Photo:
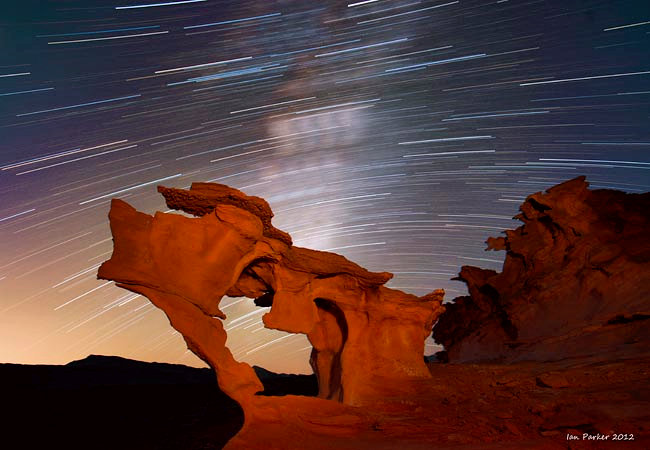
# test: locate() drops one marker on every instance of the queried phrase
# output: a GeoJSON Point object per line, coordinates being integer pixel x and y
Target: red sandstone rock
{"type": "Point", "coordinates": [361, 331]}
{"type": "Point", "coordinates": [553, 298]}
{"type": "Point", "coordinates": [575, 282]}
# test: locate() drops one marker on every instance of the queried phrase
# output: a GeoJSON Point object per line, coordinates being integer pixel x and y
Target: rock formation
{"type": "Point", "coordinates": [574, 289]}
{"type": "Point", "coordinates": [364, 336]}
{"type": "Point", "coordinates": [575, 282]}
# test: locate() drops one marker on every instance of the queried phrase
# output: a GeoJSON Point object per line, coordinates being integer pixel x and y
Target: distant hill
{"type": "Point", "coordinates": [103, 402]}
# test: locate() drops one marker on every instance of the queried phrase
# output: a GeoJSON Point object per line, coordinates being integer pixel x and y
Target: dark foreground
{"type": "Point", "coordinates": [106, 402]}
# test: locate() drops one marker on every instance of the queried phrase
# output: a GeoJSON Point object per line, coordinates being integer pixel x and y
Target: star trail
{"type": "Point", "coordinates": [399, 133]}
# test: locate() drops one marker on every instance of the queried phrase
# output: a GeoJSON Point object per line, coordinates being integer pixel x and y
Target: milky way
{"type": "Point", "coordinates": [400, 134]}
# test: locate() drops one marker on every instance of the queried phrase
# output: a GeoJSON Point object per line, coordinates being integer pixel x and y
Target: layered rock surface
{"type": "Point", "coordinates": [575, 282]}
{"type": "Point", "coordinates": [553, 301]}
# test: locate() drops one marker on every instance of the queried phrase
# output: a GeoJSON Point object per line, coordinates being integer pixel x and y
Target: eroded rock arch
{"type": "Point", "coordinates": [364, 335]}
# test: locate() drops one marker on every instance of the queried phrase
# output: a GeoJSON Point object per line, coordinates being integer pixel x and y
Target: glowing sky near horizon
{"type": "Point", "coordinates": [400, 134]}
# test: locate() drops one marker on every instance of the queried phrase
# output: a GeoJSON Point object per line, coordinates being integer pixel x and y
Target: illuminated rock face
{"type": "Point", "coordinates": [563, 326]}
{"type": "Point", "coordinates": [363, 334]}
{"type": "Point", "coordinates": [575, 282]}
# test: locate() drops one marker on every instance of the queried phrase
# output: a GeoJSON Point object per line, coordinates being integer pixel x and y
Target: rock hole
{"type": "Point", "coordinates": [251, 342]}
{"type": "Point", "coordinates": [432, 350]}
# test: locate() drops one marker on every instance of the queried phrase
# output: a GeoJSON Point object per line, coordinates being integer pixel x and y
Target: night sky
{"type": "Point", "coordinates": [400, 134]}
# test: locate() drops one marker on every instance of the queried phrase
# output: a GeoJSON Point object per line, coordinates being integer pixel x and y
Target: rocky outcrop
{"type": "Point", "coordinates": [575, 282]}
{"type": "Point", "coordinates": [365, 336]}
{"type": "Point", "coordinates": [571, 301]}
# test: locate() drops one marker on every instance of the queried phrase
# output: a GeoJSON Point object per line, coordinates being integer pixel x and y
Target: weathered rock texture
{"type": "Point", "coordinates": [575, 282]}
{"type": "Point", "coordinates": [366, 338]}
